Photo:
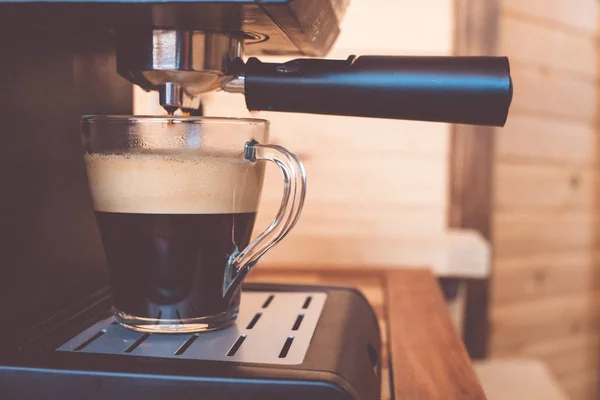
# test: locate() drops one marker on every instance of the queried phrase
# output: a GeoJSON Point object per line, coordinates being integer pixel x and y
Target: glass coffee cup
{"type": "Point", "coordinates": [175, 201]}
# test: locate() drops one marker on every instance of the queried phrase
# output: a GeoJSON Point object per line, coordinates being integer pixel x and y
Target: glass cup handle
{"type": "Point", "coordinates": [294, 191]}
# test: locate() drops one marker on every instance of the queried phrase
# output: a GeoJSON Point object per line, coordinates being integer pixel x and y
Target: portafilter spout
{"type": "Point", "coordinates": [179, 64]}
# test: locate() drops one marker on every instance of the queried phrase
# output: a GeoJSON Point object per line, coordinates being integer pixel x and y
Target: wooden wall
{"type": "Point", "coordinates": [377, 189]}
{"type": "Point", "coordinates": [546, 279]}
{"type": "Point", "coordinates": [372, 183]}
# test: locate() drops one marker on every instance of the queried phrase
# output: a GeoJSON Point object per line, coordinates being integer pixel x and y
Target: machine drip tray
{"type": "Point", "coordinates": [272, 328]}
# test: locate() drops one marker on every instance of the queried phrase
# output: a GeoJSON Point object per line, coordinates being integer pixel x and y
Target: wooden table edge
{"type": "Point", "coordinates": [428, 360]}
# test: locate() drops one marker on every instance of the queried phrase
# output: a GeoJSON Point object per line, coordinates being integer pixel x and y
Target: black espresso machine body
{"type": "Point", "coordinates": [58, 63]}
{"type": "Point", "coordinates": [290, 342]}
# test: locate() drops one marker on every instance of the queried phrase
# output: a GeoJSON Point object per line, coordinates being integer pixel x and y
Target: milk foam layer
{"type": "Point", "coordinates": [173, 184]}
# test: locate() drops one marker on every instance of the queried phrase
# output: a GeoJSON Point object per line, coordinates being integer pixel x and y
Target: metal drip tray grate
{"type": "Point", "coordinates": [272, 328]}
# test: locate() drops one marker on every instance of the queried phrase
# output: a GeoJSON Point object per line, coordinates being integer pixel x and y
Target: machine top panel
{"type": "Point", "coordinates": [272, 328]}
{"type": "Point", "coordinates": [284, 27]}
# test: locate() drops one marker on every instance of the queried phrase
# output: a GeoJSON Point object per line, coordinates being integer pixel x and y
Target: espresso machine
{"type": "Point", "coordinates": [63, 59]}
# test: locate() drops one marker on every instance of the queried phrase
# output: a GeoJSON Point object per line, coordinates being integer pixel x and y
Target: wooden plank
{"type": "Point", "coordinates": [285, 275]}
{"type": "Point", "coordinates": [319, 275]}
{"type": "Point", "coordinates": [429, 360]}
{"type": "Point", "coordinates": [315, 274]}
{"type": "Point", "coordinates": [471, 165]}
{"type": "Point", "coordinates": [543, 275]}
{"type": "Point", "coordinates": [581, 386]}
{"type": "Point", "coordinates": [518, 324]}
{"type": "Point", "coordinates": [545, 91]}
{"type": "Point", "coordinates": [526, 42]}
{"type": "Point", "coordinates": [521, 186]}
{"type": "Point", "coordinates": [477, 24]}
{"type": "Point", "coordinates": [523, 233]}
{"type": "Point", "coordinates": [471, 174]}
{"type": "Point", "coordinates": [545, 296]}
{"type": "Point", "coordinates": [581, 16]}
{"type": "Point", "coordinates": [470, 198]}
{"type": "Point", "coordinates": [536, 138]}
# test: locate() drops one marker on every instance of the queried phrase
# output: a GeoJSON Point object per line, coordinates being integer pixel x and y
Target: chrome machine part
{"type": "Point", "coordinates": [180, 64]}
{"type": "Point", "coordinates": [173, 97]}
{"type": "Point", "coordinates": [170, 96]}
{"type": "Point", "coordinates": [235, 85]}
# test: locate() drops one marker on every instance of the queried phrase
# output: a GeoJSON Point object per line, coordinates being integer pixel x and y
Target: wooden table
{"type": "Point", "coordinates": [420, 345]}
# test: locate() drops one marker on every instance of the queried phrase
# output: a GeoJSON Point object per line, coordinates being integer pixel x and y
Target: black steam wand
{"type": "Point", "coordinates": [466, 90]}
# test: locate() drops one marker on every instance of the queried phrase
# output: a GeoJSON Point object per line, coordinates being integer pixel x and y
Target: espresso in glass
{"type": "Point", "coordinates": [175, 202]}
{"type": "Point", "coordinates": [169, 224]}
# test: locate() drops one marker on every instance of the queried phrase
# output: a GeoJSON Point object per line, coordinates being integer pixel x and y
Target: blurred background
{"type": "Point", "coordinates": [507, 218]}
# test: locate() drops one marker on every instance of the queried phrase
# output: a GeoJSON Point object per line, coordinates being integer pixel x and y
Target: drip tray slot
{"type": "Point", "coordinates": [272, 328]}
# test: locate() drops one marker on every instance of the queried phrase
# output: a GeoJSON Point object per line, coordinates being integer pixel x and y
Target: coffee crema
{"type": "Point", "coordinates": [169, 225]}
{"type": "Point", "coordinates": [173, 184]}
